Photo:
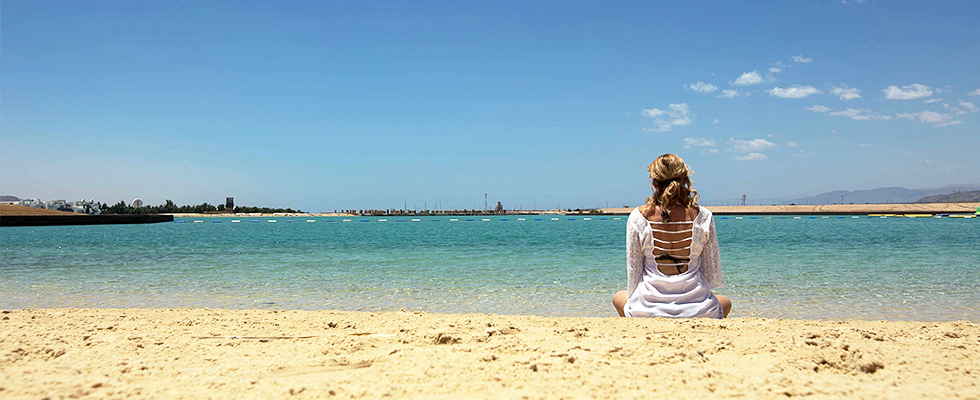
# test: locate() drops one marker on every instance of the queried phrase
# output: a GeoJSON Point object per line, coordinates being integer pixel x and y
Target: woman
{"type": "Point", "coordinates": [672, 259]}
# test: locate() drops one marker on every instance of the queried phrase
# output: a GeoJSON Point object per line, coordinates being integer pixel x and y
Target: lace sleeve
{"type": "Point", "coordinates": [634, 256]}
{"type": "Point", "coordinates": [711, 259]}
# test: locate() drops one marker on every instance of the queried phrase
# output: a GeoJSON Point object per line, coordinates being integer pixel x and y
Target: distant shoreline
{"type": "Point", "coordinates": [828, 209]}
{"type": "Point", "coordinates": [835, 209]}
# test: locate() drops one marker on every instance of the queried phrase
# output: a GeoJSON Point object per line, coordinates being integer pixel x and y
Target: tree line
{"type": "Point", "coordinates": [170, 208]}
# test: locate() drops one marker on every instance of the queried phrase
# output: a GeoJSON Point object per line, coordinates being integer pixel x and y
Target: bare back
{"type": "Point", "coordinates": [672, 238]}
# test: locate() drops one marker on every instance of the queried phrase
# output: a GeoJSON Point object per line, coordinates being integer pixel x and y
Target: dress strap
{"type": "Point", "coordinates": [677, 249]}
{"type": "Point", "coordinates": [670, 222]}
{"type": "Point", "coordinates": [680, 231]}
{"type": "Point", "coordinates": [672, 241]}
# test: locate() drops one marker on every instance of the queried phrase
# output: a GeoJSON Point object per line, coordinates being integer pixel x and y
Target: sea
{"type": "Point", "coordinates": [797, 267]}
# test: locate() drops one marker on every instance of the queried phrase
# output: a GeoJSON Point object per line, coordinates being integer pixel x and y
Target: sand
{"type": "Point", "coordinates": [203, 353]}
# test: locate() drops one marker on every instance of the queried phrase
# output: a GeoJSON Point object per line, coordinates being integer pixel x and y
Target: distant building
{"type": "Point", "coordinates": [55, 204]}
{"type": "Point", "coordinates": [229, 204]}
{"type": "Point", "coordinates": [499, 209]}
{"type": "Point", "coordinates": [85, 207]}
{"type": "Point", "coordinates": [82, 206]}
{"type": "Point", "coordinates": [137, 203]}
{"type": "Point", "coordinates": [36, 203]}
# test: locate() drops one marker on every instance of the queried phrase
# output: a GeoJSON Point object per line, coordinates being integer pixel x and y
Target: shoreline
{"type": "Point", "coordinates": [898, 209]}
{"type": "Point", "coordinates": [171, 353]}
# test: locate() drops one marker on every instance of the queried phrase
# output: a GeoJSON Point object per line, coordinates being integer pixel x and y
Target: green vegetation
{"type": "Point", "coordinates": [170, 208]}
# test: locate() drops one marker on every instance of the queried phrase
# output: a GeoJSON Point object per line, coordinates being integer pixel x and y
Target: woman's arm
{"type": "Point", "coordinates": [634, 255]}
{"type": "Point", "coordinates": [711, 259]}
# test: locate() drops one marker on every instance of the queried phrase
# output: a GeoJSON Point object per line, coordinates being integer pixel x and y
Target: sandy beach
{"type": "Point", "coordinates": [198, 353]}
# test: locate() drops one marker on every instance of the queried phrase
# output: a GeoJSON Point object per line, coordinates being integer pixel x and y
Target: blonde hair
{"type": "Point", "coordinates": [671, 184]}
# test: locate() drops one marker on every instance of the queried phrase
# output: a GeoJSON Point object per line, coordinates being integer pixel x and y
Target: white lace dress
{"type": "Point", "coordinates": [686, 295]}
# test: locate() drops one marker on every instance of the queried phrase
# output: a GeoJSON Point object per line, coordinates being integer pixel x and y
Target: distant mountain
{"type": "Point", "coordinates": [9, 198]}
{"type": "Point", "coordinates": [882, 195]}
{"type": "Point", "coordinates": [955, 197]}
{"type": "Point", "coordinates": [873, 196]}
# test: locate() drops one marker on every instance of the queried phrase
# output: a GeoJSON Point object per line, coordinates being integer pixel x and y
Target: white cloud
{"type": "Point", "coordinates": [775, 70]}
{"type": "Point", "coordinates": [863, 114]}
{"type": "Point", "coordinates": [865, 145]}
{"type": "Point", "coordinates": [818, 108]}
{"type": "Point", "coordinates": [712, 151]}
{"type": "Point", "coordinates": [793, 92]}
{"type": "Point", "coordinates": [728, 93]}
{"type": "Point", "coordinates": [748, 78]}
{"type": "Point", "coordinates": [716, 121]}
{"type": "Point", "coordinates": [933, 100]}
{"type": "Point", "coordinates": [749, 146]}
{"type": "Point", "coordinates": [974, 93]}
{"type": "Point", "coordinates": [911, 152]}
{"type": "Point", "coordinates": [791, 144]}
{"type": "Point", "coordinates": [801, 59]}
{"type": "Point", "coordinates": [652, 112]}
{"type": "Point", "coordinates": [969, 106]}
{"type": "Point", "coordinates": [931, 117]}
{"type": "Point", "coordinates": [699, 142]}
{"type": "Point", "coordinates": [846, 93]}
{"type": "Point", "coordinates": [702, 87]}
{"type": "Point", "coordinates": [666, 120]}
{"type": "Point", "coordinates": [913, 91]}
{"type": "Point", "coordinates": [752, 157]}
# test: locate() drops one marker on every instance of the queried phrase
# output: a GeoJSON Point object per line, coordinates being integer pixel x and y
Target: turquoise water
{"type": "Point", "coordinates": [783, 267]}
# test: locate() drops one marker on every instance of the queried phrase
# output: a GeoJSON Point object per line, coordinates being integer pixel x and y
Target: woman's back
{"type": "Point", "coordinates": [672, 265]}
{"type": "Point", "coordinates": [671, 237]}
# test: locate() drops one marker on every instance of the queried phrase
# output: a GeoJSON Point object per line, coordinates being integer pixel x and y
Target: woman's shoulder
{"type": "Point", "coordinates": [637, 217]}
{"type": "Point", "coordinates": [703, 212]}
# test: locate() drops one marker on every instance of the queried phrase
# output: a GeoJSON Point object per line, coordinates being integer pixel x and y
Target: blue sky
{"type": "Point", "coordinates": [334, 105]}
